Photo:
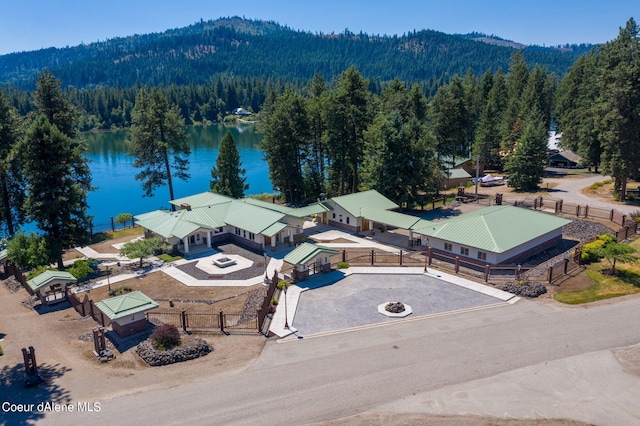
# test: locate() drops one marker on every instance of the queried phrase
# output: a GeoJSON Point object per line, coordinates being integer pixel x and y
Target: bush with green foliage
{"type": "Point", "coordinates": [343, 265]}
{"type": "Point", "coordinates": [165, 337]}
{"type": "Point", "coordinates": [82, 268]}
{"type": "Point", "coordinates": [591, 252]}
{"type": "Point", "coordinates": [28, 251]}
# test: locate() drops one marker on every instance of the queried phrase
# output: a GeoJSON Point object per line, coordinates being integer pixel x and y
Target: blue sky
{"type": "Point", "coordinates": [34, 24]}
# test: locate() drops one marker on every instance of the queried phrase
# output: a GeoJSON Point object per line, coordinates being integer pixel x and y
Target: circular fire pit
{"type": "Point", "coordinates": [223, 262]}
{"type": "Point", "coordinates": [395, 309]}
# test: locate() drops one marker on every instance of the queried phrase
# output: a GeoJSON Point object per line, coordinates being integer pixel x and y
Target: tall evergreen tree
{"type": "Point", "coordinates": [11, 178]}
{"type": "Point", "coordinates": [516, 80]}
{"type": "Point", "coordinates": [158, 142]}
{"type": "Point", "coordinates": [450, 120]}
{"type": "Point", "coordinates": [525, 163]}
{"type": "Point", "coordinates": [487, 135]}
{"type": "Point", "coordinates": [227, 176]}
{"type": "Point", "coordinates": [348, 115]}
{"type": "Point", "coordinates": [57, 183]}
{"type": "Point", "coordinates": [55, 170]}
{"type": "Point", "coordinates": [575, 112]}
{"type": "Point", "coordinates": [286, 132]}
{"type": "Point", "coordinates": [618, 106]}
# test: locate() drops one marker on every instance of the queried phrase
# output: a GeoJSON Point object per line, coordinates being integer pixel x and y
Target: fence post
{"type": "Point", "coordinates": [541, 202]}
{"type": "Point", "coordinates": [535, 203]}
{"type": "Point", "coordinates": [400, 257]}
{"type": "Point", "coordinates": [550, 274]}
{"type": "Point", "coordinates": [486, 273]}
{"type": "Point", "coordinates": [372, 257]}
{"type": "Point", "coordinates": [566, 266]}
{"type": "Point", "coordinates": [556, 209]}
{"type": "Point", "coordinates": [113, 225]}
{"type": "Point", "coordinates": [578, 210]}
{"type": "Point", "coordinates": [344, 255]}
{"type": "Point", "coordinates": [429, 251]}
{"type": "Point", "coordinates": [624, 219]}
{"type": "Point", "coordinates": [586, 210]}
{"type": "Point", "coordinates": [222, 322]}
{"type": "Point", "coordinates": [561, 201]}
{"type": "Point", "coordinates": [183, 320]}
{"type": "Point", "coordinates": [611, 215]}
{"type": "Point", "coordinates": [457, 264]}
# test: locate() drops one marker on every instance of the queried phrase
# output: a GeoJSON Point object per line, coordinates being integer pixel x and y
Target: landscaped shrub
{"type": "Point", "coordinates": [526, 289]}
{"type": "Point", "coordinates": [119, 290]}
{"type": "Point", "coordinates": [81, 268]}
{"type": "Point", "coordinates": [165, 337]}
{"type": "Point", "coordinates": [342, 265]}
{"type": "Point", "coordinates": [590, 251]}
{"type": "Point", "coordinates": [1, 352]}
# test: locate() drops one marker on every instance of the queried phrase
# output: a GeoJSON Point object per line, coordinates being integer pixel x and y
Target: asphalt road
{"type": "Point", "coordinates": [405, 365]}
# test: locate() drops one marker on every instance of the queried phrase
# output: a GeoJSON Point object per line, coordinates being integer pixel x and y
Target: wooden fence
{"type": "Point", "coordinates": [86, 307]}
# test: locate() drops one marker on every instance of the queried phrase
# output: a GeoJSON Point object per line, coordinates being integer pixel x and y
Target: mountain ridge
{"type": "Point", "coordinates": [266, 49]}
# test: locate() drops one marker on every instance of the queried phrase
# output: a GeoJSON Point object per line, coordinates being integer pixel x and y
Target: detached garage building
{"type": "Point", "coordinates": [494, 235]}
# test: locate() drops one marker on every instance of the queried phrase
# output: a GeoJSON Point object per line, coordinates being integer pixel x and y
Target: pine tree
{"type": "Point", "coordinates": [158, 142]}
{"type": "Point", "coordinates": [618, 106]}
{"type": "Point", "coordinates": [227, 176]}
{"type": "Point", "coordinates": [285, 143]}
{"type": "Point", "coordinates": [11, 177]}
{"type": "Point", "coordinates": [55, 170]}
{"type": "Point", "coordinates": [525, 164]}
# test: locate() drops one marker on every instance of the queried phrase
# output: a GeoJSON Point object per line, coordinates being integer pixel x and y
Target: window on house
{"type": "Point", "coordinates": [252, 236]}
{"type": "Point", "coordinates": [464, 251]}
{"type": "Point", "coordinates": [333, 215]}
{"type": "Point", "coordinates": [448, 246]}
{"type": "Point", "coordinates": [347, 220]}
{"type": "Point", "coordinates": [237, 231]}
{"type": "Point", "coordinates": [482, 255]}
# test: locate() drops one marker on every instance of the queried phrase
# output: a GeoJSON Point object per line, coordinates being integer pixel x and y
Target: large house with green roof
{"type": "Point", "coordinates": [209, 218]}
{"type": "Point", "coordinates": [493, 235]}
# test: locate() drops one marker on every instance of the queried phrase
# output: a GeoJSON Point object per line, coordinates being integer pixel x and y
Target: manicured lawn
{"type": "Point", "coordinates": [605, 286]}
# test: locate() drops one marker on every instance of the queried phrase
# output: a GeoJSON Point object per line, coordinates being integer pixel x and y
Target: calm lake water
{"type": "Point", "coordinates": [119, 192]}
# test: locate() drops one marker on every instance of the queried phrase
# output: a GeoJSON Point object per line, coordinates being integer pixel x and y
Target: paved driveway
{"type": "Point", "coordinates": [353, 301]}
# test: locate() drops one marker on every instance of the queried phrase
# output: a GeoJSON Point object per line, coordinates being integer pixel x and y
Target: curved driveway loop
{"type": "Point", "coordinates": [353, 301]}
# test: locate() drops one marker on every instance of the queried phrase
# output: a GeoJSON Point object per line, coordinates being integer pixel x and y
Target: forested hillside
{"type": "Point", "coordinates": [256, 49]}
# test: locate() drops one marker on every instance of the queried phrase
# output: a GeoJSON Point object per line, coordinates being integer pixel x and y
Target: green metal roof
{"type": "Point", "coordinates": [496, 229]}
{"type": "Point", "coordinates": [274, 229]}
{"type": "Point", "coordinates": [399, 220]}
{"type": "Point", "coordinates": [126, 304]}
{"type": "Point", "coordinates": [458, 174]}
{"type": "Point", "coordinates": [168, 224]}
{"type": "Point", "coordinates": [208, 216]}
{"type": "Point", "coordinates": [311, 209]}
{"type": "Point", "coordinates": [45, 278]}
{"type": "Point", "coordinates": [203, 199]}
{"type": "Point", "coordinates": [306, 252]}
{"type": "Point", "coordinates": [267, 205]}
{"type": "Point", "coordinates": [372, 199]}
{"type": "Point", "coordinates": [252, 218]}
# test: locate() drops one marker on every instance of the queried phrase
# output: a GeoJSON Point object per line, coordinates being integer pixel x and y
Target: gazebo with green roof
{"type": "Point", "coordinates": [50, 286]}
{"type": "Point", "coordinates": [306, 254]}
{"type": "Point", "coordinates": [127, 312]}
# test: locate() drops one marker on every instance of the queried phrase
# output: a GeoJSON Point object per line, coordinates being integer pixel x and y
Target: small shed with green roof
{"type": "Point", "coordinates": [127, 312]}
{"type": "Point", "coordinates": [309, 258]}
{"type": "Point", "coordinates": [493, 235]}
{"type": "Point", "coordinates": [50, 286]}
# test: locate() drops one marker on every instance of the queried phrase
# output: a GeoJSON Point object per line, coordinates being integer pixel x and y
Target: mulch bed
{"type": "Point", "coordinates": [255, 270]}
